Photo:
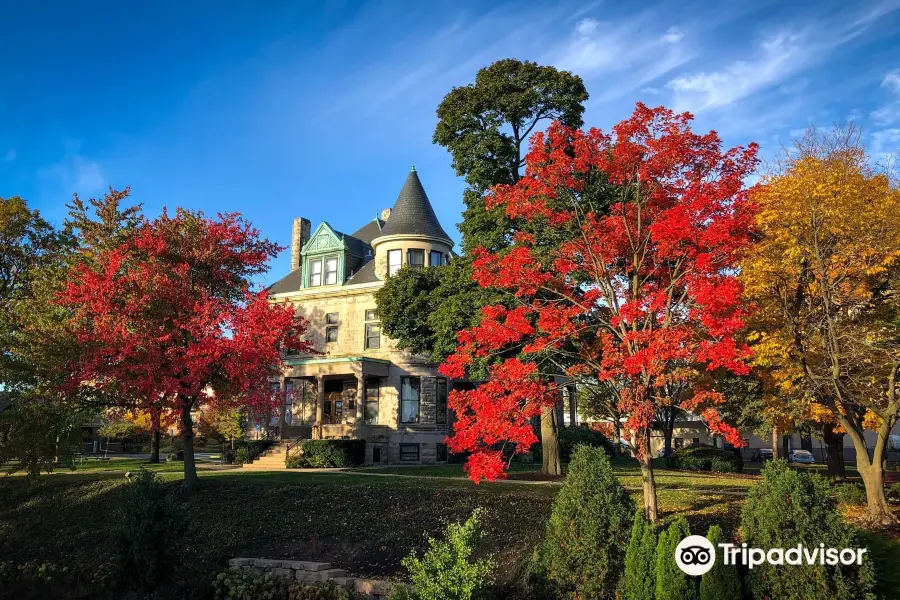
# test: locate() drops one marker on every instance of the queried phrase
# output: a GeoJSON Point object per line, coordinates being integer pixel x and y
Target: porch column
{"type": "Point", "coordinates": [320, 400]}
{"type": "Point", "coordinates": [360, 392]}
{"type": "Point", "coordinates": [282, 386]}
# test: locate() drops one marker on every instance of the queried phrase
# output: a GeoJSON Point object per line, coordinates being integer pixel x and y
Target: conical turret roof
{"type": "Point", "coordinates": [412, 213]}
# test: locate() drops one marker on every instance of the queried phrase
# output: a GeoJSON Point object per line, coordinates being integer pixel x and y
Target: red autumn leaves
{"type": "Point", "coordinates": [169, 317]}
{"type": "Point", "coordinates": [641, 292]}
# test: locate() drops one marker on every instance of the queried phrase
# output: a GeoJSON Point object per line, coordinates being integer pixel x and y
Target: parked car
{"type": "Point", "coordinates": [801, 457]}
{"type": "Point", "coordinates": [762, 455]}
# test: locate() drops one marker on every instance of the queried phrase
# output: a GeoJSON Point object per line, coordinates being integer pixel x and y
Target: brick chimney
{"type": "Point", "coordinates": [299, 236]}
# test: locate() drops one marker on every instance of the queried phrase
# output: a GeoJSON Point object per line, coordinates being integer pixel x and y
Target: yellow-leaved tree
{"type": "Point", "coordinates": [824, 277]}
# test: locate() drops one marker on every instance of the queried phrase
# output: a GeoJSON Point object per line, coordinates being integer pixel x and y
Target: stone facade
{"type": "Point", "coordinates": [361, 386]}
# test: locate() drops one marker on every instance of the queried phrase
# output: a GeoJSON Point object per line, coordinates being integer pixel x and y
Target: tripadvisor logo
{"type": "Point", "coordinates": [695, 555]}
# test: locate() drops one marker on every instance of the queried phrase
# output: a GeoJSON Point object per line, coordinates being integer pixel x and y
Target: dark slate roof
{"type": "Point", "coordinates": [412, 213]}
{"type": "Point", "coordinates": [354, 244]}
{"type": "Point", "coordinates": [366, 274]}
{"type": "Point", "coordinates": [369, 231]}
{"type": "Point", "coordinates": [291, 282]}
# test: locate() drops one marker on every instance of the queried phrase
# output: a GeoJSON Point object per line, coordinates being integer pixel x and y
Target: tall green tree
{"type": "Point", "coordinates": [485, 126]}
{"type": "Point", "coordinates": [29, 249]}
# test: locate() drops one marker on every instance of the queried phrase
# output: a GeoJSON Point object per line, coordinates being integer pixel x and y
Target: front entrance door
{"type": "Point", "coordinates": [334, 400]}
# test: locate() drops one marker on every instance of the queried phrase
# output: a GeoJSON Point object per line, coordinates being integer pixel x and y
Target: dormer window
{"type": "Point", "coordinates": [315, 273]}
{"type": "Point", "coordinates": [331, 269]}
{"type": "Point", "coordinates": [415, 259]}
{"type": "Point", "coordinates": [394, 262]}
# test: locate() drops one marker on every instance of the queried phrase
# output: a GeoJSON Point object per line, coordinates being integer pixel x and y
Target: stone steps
{"type": "Point", "coordinates": [270, 460]}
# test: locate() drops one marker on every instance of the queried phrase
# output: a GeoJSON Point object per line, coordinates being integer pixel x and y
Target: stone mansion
{"type": "Point", "coordinates": [362, 387]}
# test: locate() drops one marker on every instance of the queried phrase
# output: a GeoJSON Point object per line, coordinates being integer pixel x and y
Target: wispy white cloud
{"type": "Point", "coordinates": [780, 54]}
{"type": "Point", "coordinates": [673, 35]}
{"type": "Point", "coordinates": [73, 172]}
{"type": "Point", "coordinates": [890, 112]}
{"type": "Point", "coordinates": [587, 26]}
{"type": "Point", "coordinates": [886, 143]}
{"type": "Point", "coordinates": [626, 55]}
{"type": "Point", "coordinates": [10, 155]}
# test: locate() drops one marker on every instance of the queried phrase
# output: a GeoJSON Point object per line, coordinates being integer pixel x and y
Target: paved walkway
{"type": "Point", "coordinates": [336, 471]}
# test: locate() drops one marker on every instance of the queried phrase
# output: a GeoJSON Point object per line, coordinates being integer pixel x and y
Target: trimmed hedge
{"type": "Point", "coordinates": [247, 451]}
{"type": "Point", "coordinates": [852, 494]}
{"type": "Point", "coordinates": [328, 454]}
{"type": "Point", "coordinates": [722, 581]}
{"type": "Point", "coordinates": [569, 437]}
{"type": "Point", "coordinates": [582, 554]}
{"type": "Point", "coordinates": [640, 560]}
{"type": "Point", "coordinates": [788, 508]}
{"type": "Point", "coordinates": [701, 457]}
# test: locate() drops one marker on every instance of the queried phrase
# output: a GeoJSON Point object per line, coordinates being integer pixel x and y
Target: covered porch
{"type": "Point", "coordinates": [330, 397]}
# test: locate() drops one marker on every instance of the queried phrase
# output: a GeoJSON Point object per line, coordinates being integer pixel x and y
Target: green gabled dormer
{"type": "Point", "coordinates": [329, 257]}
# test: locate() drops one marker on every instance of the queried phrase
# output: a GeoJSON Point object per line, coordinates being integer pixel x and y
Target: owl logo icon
{"type": "Point", "coordinates": [695, 555]}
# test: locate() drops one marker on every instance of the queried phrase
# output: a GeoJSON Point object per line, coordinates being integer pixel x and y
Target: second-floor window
{"type": "Point", "coordinates": [415, 259]}
{"type": "Point", "coordinates": [394, 262]}
{"type": "Point", "coordinates": [331, 327]}
{"type": "Point", "coordinates": [331, 271]}
{"type": "Point", "coordinates": [435, 258]}
{"type": "Point", "coordinates": [373, 331]}
{"type": "Point", "coordinates": [315, 272]}
{"type": "Point", "coordinates": [373, 336]}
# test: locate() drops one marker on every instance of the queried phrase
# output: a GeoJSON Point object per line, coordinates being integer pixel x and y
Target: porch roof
{"type": "Point", "coordinates": [361, 365]}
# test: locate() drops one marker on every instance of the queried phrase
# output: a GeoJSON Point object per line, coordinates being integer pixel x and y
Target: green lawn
{"type": "Point", "coordinates": [626, 468]}
{"type": "Point", "coordinates": [358, 522]}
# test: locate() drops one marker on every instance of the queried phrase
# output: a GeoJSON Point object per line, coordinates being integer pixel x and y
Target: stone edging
{"type": "Point", "coordinates": [313, 572]}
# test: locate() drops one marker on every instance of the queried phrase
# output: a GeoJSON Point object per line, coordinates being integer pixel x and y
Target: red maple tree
{"type": "Point", "coordinates": [169, 321]}
{"type": "Point", "coordinates": [622, 272]}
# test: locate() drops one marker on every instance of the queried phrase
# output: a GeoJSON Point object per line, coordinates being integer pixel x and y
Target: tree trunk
{"type": "Point", "coordinates": [872, 473]}
{"type": "Point", "coordinates": [776, 443]}
{"type": "Point", "coordinates": [648, 482]}
{"type": "Point", "coordinates": [617, 434]}
{"type": "Point", "coordinates": [573, 407]}
{"type": "Point", "coordinates": [154, 446]}
{"type": "Point", "coordinates": [187, 435]}
{"type": "Point", "coordinates": [552, 465]}
{"type": "Point", "coordinates": [873, 480]}
{"type": "Point", "coordinates": [834, 452]}
{"type": "Point", "coordinates": [806, 441]}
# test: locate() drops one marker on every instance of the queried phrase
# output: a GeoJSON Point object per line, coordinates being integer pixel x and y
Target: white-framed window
{"type": "Point", "coordinates": [315, 272]}
{"type": "Point", "coordinates": [373, 393]}
{"type": "Point", "coordinates": [395, 258]}
{"type": "Point", "coordinates": [373, 336]}
{"type": "Point", "coordinates": [373, 331]}
{"type": "Point", "coordinates": [409, 399]}
{"type": "Point", "coordinates": [331, 327]}
{"type": "Point", "coordinates": [415, 258]}
{"type": "Point", "coordinates": [435, 258]}
{"type": "Point", "coordinates": [331, 271]}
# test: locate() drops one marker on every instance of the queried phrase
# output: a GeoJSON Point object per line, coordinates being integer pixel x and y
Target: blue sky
{"type": "Point", "coordinates": [284, 109]}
